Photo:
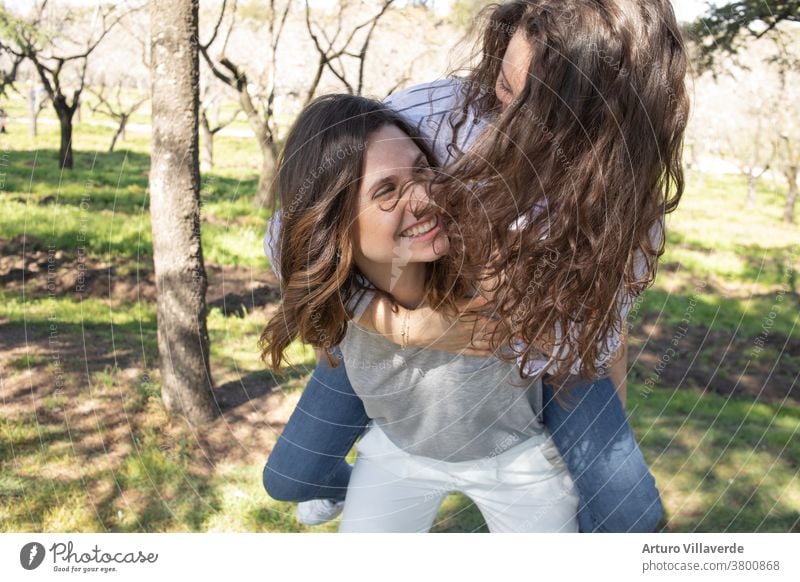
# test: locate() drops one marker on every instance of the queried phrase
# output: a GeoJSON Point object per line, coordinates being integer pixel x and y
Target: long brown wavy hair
{"type": "Point", "coordinates": [317, 183]}
{"type": "Point", "coordinates": [594, 141]}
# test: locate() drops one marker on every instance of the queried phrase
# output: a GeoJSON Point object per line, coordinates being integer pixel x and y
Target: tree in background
{"type": "Point", "coordinates": [744, 111]}
{"type": "Point", "coordinates": [8, 72]}
{"type": "Point", "coordinates": [725, 29]}
{"type": "Point", "coordinates": [60, 62]}
{"type": "Point", "coordinates": [333, 49]}
{"type": "Point", "coordinates": [212, 120]}
{"type": "Point", "coordinates": [726, 40]}
{"type": "Point", "coordinates": [787, 146]}
{"type": "Point", "coordinates": [116, 107]}
{"type": "Point", "coordinates": [181, 281]}
{"type": "Point", "coordinates": [463, 13]}
{"type": "Point", "coordinates": [258, 91]}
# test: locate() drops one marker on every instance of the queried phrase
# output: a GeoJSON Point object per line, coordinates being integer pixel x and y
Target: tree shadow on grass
{"type": "Point", "coordinates": [684, 339]}
{"type": "Point", "coordinates": [776, 265]}
{"type": "Point", "coordinates": [721, 463]}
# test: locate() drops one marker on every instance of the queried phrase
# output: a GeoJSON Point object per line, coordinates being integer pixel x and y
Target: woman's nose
{"type": "Point", "coordinates": [419, 203]}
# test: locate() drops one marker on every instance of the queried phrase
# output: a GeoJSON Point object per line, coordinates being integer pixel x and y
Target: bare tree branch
{"type": "Point", "coordinates": [330, 57]}
{"type": "Point", "coordinates": [217, 25]}
{"type": "Point", "coordinates": [118, 111]}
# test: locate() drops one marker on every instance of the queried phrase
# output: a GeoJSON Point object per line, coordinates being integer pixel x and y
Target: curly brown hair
{"type": "Point", "coordinates": [594, 143]}
{"type": "Point", "coordinates": [316, 185]}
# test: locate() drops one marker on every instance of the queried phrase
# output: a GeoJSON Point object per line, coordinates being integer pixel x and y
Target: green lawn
{"type": "Point", "coordinates": [85, 444]}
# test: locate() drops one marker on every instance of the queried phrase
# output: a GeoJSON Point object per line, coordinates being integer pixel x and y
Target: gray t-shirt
{"type": "Point", "coordinates": [438, 404]}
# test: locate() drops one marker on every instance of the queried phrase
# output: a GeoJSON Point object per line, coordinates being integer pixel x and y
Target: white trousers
{"type": "Point", "coordinates": [524, 488]}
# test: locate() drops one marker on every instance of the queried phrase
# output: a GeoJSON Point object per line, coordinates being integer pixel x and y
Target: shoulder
{"type": "Point", "coordinates": [641, 263]}
{"type": "Point", "coordinates": [657, 231]}
{"type": "Point", "coordinates": [439, 95]}
{"type": "Point", "coordinates": [271, 242]}
{"type": "Point", "coordinates": [358, 302]}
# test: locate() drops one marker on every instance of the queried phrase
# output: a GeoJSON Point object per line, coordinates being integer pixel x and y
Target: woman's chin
{"type": "Point", "coordinates": [438, 248]}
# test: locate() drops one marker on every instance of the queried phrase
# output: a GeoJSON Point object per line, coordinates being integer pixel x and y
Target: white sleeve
{"type": "Point", "coordinates": [271, 242]}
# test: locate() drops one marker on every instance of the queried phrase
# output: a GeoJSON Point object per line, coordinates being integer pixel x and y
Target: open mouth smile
{"type": "Point", "coordinates": [424, 231]}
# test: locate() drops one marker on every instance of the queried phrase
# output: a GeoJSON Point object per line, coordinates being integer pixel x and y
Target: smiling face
{"type": "Point", "coordinates": [389, 233]}
{"type": "Point", "coordinates": [514, 70]}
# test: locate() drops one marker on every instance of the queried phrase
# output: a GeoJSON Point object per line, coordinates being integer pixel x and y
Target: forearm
{"type": "Point", "coordinates": [308, 460]}
{"type": "Point", "coordinates": [618, 372]}
{"type": "Point", "coordinates": [424, 327]}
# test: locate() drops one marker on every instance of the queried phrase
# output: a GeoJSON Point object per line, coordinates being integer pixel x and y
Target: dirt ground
{"type": "Point", "coordinates": [55, 380]}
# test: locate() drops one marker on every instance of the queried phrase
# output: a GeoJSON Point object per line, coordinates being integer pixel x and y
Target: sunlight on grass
{"type": "Point", "coordinates": [245, 505]}
{"type": "Point", "coordinates": [709, 454]}
{"type": "Point", "coordinates": [89, 311]}
{"type": "Point", "coordinates": [73, 514]}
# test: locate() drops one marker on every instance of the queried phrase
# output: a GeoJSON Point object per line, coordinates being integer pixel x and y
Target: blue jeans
{"type": "Point", "coordinates": [307, 461]}
{"type": "Point", "coordinates": [618, 493]}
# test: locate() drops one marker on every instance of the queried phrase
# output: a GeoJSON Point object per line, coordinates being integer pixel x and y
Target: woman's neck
{"type": "Point", "coordinates": [406, 284]}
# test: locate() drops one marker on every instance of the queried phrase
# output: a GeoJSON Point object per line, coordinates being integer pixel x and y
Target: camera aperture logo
{"type": "Point", "coordinates": [66, 559]}
{"type": "Point", "coordinates": [31, 555]}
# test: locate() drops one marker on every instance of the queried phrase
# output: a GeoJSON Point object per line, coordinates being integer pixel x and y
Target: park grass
{"type": "Point", "coordinates": [86, 445]}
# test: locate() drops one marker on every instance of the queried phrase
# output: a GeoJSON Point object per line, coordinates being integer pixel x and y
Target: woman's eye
{"type": "Point", "coordinates": [384, 192]}
{"type": "Point", "coordinates": [503, 87]}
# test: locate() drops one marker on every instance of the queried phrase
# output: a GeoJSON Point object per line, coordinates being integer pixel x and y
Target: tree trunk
{"type": "Point", "coordinates": [269, 151]}
{"type": "Point", "coordinates": [207, 163]}
{"type": "Point", "coordinates": [181, 281]}
{"type": "Point", "coordinates": [34, 111]}
{"type": "Point", "coordinates": [120, 132]}
{"type": "Point", "coordinates": [269, 157]}
{"type": "Point", "coordinates": [64, 114]}
{"type": "Point", "coordinates": [791, 195]}
{"type": "Point", "coordinates": [751, 189]}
